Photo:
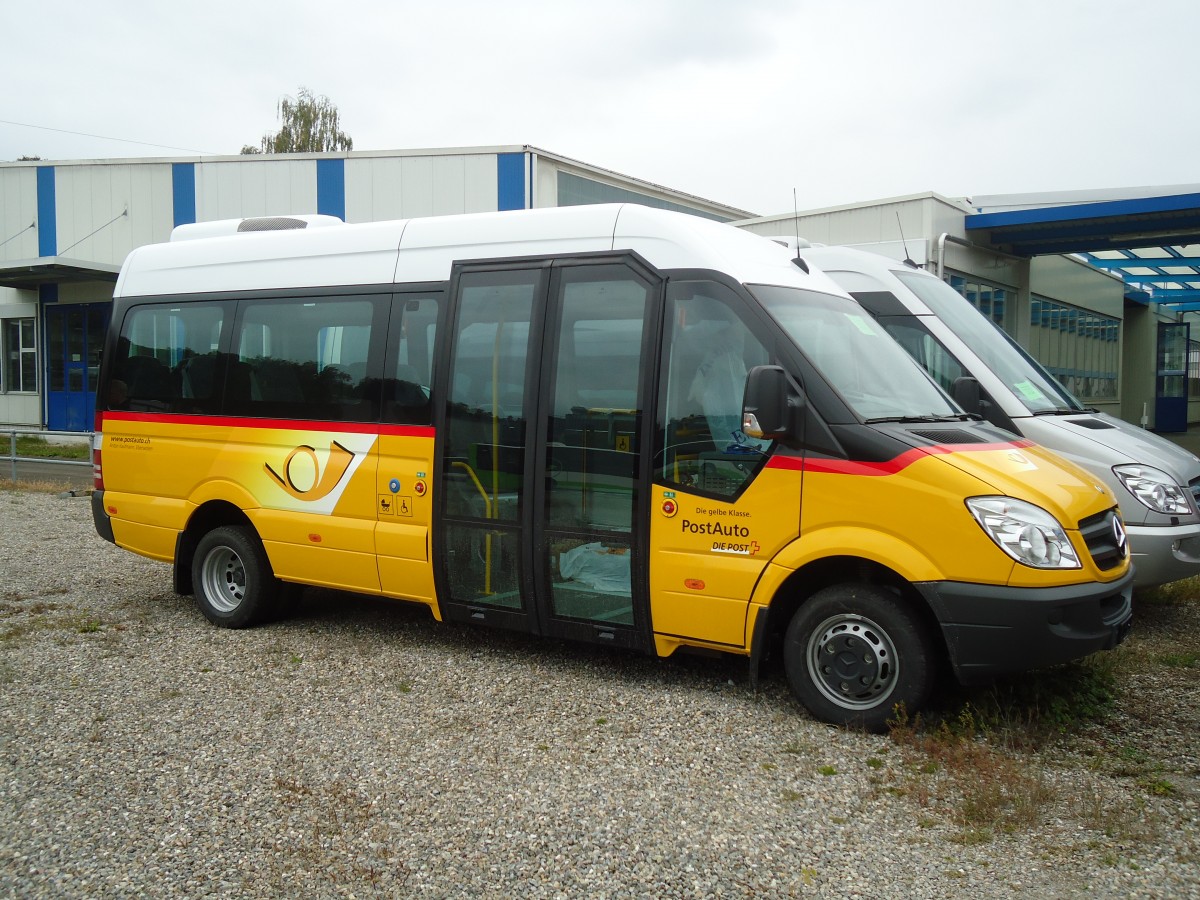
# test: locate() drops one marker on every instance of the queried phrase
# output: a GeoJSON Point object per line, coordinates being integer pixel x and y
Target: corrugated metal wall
{"type": "Point", "coordinates": [379, 189]}
{"type": "Point", "coordinates": [18, 210]}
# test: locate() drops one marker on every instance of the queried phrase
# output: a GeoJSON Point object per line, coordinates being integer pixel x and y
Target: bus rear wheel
{"type": "Point", "coordinates": [235, 586]}
{"type": "Point", "coordinates": [853, 653]}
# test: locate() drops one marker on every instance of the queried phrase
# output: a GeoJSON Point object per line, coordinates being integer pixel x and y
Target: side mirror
{"type": "Point", "coordinates": [767, 403]}
{"type": "Point", "coordinates": [966, 394]}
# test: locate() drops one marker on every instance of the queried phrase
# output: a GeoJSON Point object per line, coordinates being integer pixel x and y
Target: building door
{"type": "Point", "coordinates": [542, 466]}
{"type": "Point", "coordinates": [74, 339]}
{"type": "Point", "coordinates": [1171, 383]}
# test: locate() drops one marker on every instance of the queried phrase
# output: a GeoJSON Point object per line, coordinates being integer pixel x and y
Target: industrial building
{"type": "Point", "coordinates": [65, 228]}
{"type": "Point", "coordinates": [1099, 286]}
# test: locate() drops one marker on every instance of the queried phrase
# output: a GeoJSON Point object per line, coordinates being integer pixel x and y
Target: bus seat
{"type": "Point", "coordinates": [197, 375]}
{"type": "Point", "coordinates": [148, 382]}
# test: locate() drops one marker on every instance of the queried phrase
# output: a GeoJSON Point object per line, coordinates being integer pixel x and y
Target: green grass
{"type": "Point", "coordinates": [1183, 591]}
{"type": "Point", "coordinates": [38, 447]}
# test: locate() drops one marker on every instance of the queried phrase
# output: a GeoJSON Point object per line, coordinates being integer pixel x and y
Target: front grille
{"type": "Point", "coordinates": [1194, 487]}
{"type": "Point", "coordinates": [1104, 535]}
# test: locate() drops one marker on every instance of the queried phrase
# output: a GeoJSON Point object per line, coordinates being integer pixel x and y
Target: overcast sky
{"type": "Point", "coordinates": [740, 102]}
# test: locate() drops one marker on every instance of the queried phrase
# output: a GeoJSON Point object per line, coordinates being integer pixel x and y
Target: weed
{"type": "Point", "coordinates": [827, 770]}
{"type": "Point", "coordinates": [335, 830]}
{"type": "Point", "coordinates": [35, 486]}
{"type": "Point", "coordinates": [602, 721]}
{"type": "Point", "coordinates": [987, 790]}
{"type": "Point", "coordinates": [875, 762]}
{"type": "Point", "coordinates": [1186, 660]}
{"type": "Point", "coordinates": [404, 687]}
{"type": "Point", "coordinates": [1100, 814]}
{"type": "Point", "coordinates": [1159, 787]}
{"type": "Point", "coordinates": [791, 796]}
{"type": "Point", "coordinates": [970, 837]}
{"type": "Point", "coordinates": [1171, 594]}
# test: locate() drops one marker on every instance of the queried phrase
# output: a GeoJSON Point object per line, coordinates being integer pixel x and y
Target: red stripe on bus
{"type": "Point", "coordinates": [425, 431]}
{"type": "Point", "coordinates": [887, 467]}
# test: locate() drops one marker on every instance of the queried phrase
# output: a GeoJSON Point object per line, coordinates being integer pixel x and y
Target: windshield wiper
{"type": "Point", "coordinates": [912, 420]}
{"type": "Point", "coordinates": [1059, 411]}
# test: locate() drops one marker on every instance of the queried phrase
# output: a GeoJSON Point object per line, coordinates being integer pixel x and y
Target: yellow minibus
{"type": "Point", "coordinates": [607, 423]}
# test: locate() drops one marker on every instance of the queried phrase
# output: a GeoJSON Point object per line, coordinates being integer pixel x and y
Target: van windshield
{"type": "Point", "coordinates": [870, 371]}
{"type": "Point", "coordinates": [1029, 382]}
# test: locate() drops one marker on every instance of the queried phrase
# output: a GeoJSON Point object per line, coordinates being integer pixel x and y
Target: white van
{"type": "Point", "coordinates": [1157, 482]}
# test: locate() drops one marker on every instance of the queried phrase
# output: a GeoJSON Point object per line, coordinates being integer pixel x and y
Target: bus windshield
{"type": "Point", "coordinates": [1033, 385]}
{"type": "Point", "coordinates": [870, 371]}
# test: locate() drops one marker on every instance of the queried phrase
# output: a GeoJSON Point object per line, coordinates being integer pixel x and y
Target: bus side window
{"type": "Point", "coordinates": [709, 351]}
{"type": "Point", "coordinates": [305, 359]}
{"type": "Point", "coordinates": [410, 354]}
{"type": "Point", "coordinates": [167, 360]}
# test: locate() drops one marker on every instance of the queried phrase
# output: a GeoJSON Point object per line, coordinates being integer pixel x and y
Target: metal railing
{"type": "Point", "coordinates": [74, 437]}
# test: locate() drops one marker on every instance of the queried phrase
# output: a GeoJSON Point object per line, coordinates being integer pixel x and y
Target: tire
{"type": "Point", "coordinates": [235, 586]}
{"type": "Point", "coordinates": [854, 652]}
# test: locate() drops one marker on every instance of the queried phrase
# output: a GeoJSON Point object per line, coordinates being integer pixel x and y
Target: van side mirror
{"type": "Point", "coordinates": [768, 402]}
{"type": "Point", "coordinates": [966, 394]}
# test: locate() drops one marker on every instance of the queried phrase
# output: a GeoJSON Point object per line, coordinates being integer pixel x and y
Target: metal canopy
{"type": "Point", "coordinates": [1152, 242]}
{"type": "Point", "coordinates": [29, 274]}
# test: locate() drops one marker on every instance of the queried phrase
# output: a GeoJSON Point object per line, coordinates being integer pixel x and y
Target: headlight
{"type": "Point", "coordinates": [1027, 533]}
{"type": "Point", "coordinates": [1155, 489]}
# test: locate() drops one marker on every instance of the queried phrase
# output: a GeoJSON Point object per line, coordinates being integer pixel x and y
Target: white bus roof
{"type": "Point", "coordinates": [310, 251]}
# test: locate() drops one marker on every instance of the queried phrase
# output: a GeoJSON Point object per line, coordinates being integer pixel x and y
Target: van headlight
{"type": "Point", "coordinates": [1154, 488]}
{"type": "Point", "coordinates": [1027, 533]}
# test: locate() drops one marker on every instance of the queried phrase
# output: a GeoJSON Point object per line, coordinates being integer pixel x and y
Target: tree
{"type": "Point", "coordinates": [309, 125]}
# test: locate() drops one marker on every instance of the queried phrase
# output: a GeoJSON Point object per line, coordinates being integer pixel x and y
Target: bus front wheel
{"type": "Point", "coordinates": [853, 653]}
{"type": "Point", "coordinates": [234, 584]}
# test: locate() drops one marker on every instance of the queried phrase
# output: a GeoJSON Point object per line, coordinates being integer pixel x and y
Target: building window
{"type": "Point", "coordinates": [990, 299]}
{"type": "Point", "coordinates": [1193, 371]}
{"type": "Point", "coordinates": [1081, 349]}
{"type": "Point", "coordinates": [19, 372]}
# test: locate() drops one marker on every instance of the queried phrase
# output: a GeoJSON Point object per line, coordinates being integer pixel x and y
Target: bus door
{"type": "Point", "coordinates": [721, 506]}
{"type": "Point", "coordinates": [543, 466]}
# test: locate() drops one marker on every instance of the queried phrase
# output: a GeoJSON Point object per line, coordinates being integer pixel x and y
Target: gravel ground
{"type": "Point", "coordinates": [360, 749]}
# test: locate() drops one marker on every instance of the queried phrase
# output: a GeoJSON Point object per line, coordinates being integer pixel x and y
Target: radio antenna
{"type": "Point", "coordinates": [800, 263]}
{"type": "Point", "coordinates": [908, 260]}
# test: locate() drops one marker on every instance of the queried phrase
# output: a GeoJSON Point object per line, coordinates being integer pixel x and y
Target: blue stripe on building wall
{"type": "Point", "coordinates": [47, 217]}
{"type": "Point", "coordinates": [510, 180]}
{"type": "Point", "coordinates": [331, 187]}
{"type": "Point", "coordinates": [183, 192]}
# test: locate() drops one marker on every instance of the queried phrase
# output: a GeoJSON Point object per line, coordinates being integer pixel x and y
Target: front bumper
{"type": "Point", "coordinates": [1163, 554]}
{"type": "Point", "coordinates": [995, 630]}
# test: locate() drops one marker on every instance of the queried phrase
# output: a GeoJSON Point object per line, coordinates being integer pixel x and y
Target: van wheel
{"type": "Point", "coordinates": [853, 652]}
{"type": "Point", "coordinates": [235, 586]}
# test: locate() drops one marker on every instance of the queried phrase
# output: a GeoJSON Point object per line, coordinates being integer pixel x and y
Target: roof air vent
{"type": "Point", "coordinates": [271, 223]}
{"type": "Point", "coordinates": [226, 227]}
